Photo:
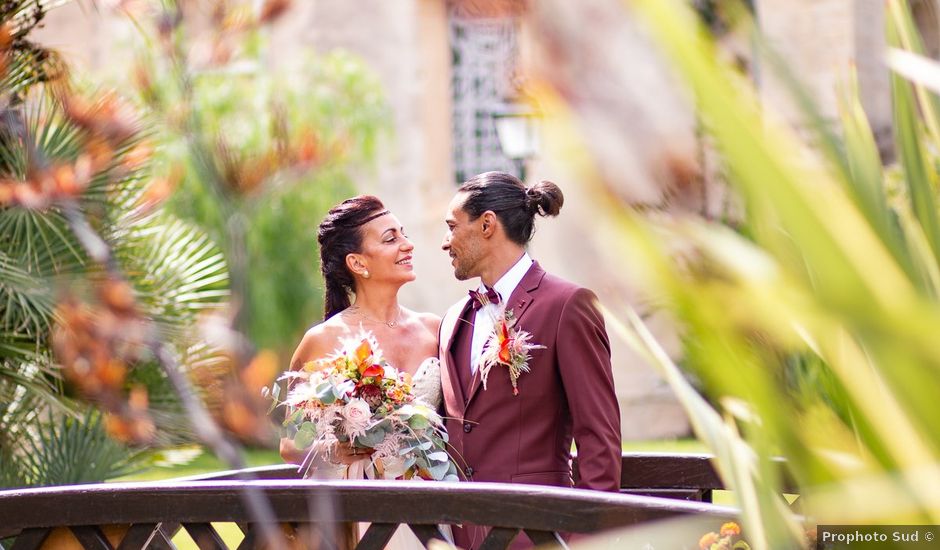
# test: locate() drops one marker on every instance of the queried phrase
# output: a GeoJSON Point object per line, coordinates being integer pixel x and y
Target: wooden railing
{"type": "Point", "coordinates": [685, 476]}
{"type": "Point", "coordinates": [145, 515]}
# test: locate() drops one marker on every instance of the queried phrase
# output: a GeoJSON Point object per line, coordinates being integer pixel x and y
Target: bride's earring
{"type": "Point", "coordinates": [365, 274]}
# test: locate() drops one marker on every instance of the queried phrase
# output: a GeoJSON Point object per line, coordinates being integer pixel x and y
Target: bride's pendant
{"type": "Point", "coordinates": [356, 310]}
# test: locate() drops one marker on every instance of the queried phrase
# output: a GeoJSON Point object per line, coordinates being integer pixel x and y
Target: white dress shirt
{"type": "Point", "coordinates": [485, 318]}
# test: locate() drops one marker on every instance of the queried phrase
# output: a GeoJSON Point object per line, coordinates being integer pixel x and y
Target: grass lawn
{"type": "Point", "coordinates": [204, 463]}
{"type": "Point", "coordinates": [665, 446]}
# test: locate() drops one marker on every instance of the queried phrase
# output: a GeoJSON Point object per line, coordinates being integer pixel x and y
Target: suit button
{"type": "Point", "coordinates": [467, 427]}
{"type": "Point", "coordinates": [468, 471]}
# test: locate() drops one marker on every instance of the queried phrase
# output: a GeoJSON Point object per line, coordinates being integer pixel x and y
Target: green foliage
{"type": "Point", "coordinates": [69, 450]}
{"type": "Point", "coordinates": [813, 334]}
{"type": "Point", "coordinates": [338, 102]}
{"type": "Point", "coordinates": [175, 270]}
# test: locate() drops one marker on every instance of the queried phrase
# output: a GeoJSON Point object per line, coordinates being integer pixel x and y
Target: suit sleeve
{"type": "Point", "coordinates": [584, 363]}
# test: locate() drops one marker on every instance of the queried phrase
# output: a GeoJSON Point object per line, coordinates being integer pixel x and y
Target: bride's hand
{"type": "Point", "coordinates": [342, 453]}
{"type": "Point", "coordinates": [345, 453]}
{"type": "Point", "coordinates": [290, 453]}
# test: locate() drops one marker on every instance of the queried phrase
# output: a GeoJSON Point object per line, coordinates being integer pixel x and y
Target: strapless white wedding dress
{"type": "Point", "coordinates": [426, 382]}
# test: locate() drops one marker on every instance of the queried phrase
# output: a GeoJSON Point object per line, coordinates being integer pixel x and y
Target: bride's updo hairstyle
{"type": "Point", "coordinates": [340, 234]}
{"type": "Point", "coordinates": [513, 203]}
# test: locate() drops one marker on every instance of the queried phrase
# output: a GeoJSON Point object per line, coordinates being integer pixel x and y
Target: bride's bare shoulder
{"type": "Point", "coordinates": [429, 321]}
{"type": "Point", "coordinates": [319, 341]}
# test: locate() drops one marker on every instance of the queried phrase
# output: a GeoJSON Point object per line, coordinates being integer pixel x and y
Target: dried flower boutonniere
{"type": "Point", "coordinates": [508, 347]}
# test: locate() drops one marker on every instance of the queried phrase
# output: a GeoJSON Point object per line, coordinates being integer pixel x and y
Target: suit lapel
{"type": "Point", "coordinates": [453, 392]}
{"type": "Point", "coordinates": [519, 302]}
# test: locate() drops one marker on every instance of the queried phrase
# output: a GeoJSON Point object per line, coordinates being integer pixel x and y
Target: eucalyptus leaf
{"type": "Point", "coordinates": [439, 456]}
{"type": "Point", "coordinates": [371, 438]}
{"type": "Point", "coordinates": [294, 417]}
{"type": "Point", "coordinates": [418, 422]}
{"type": "Point", "coordinates": [438, 471]}
{"type": "Point", "coordinates": [324, 393]}
{"type": "Point", "coordinates": [306, 435]}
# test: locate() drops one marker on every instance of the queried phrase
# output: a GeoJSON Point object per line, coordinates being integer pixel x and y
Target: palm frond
{"type": "Point", "coordinates": [27, 63]}
{"type": "Point", "coordinates": [69, 451]}
{"type": "Point", "coordinates": [38, 378]}
{"type": "Point", "coordinates": [187, 272]}
{"type": "Point", "coordinates": [25, 303]}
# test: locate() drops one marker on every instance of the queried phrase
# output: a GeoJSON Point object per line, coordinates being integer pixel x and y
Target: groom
{"type": "Point", "coordinates": [522, 432]}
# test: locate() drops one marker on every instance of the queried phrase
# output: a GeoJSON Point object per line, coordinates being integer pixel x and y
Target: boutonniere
{"type": "Point", "coordinates": [508, 347]}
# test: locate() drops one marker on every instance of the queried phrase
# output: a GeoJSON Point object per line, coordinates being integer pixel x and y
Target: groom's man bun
{"type": "Point", "coordinates": [544, 198]}
{"type": "Point", "coordinates": [513, 203]}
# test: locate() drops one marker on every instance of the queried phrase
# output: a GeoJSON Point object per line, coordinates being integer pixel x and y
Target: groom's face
{"type": "Point", "coordinates": [463, 241]}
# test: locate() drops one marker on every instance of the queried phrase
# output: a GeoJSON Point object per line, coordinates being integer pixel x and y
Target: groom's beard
{"type": "Point", "coordinates": [461, 274]}
{"type": "Point", "coordinates": [465, 267]}
{"type": "Point", "coordinates": [466, 263]}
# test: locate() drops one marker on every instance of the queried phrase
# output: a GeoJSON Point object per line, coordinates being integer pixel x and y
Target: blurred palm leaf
{"type": "Point", "coordinates": [178, 273]}
{"type": "Point", "coordinates": [70, 450]}
{"type": "Point", "coordinates": [175, 269]}
{"type": "Point", "coordinates": [27, 63]}
{"type": "Point", "coordinates": [26, 307]}
{"type": "Point", "coordinates": [865, 184]}
{"type": "Point", "coordinates": [186, 271]}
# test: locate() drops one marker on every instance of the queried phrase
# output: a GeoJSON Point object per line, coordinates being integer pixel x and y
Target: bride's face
{"type": "Point", "coordinates": [386, 251]}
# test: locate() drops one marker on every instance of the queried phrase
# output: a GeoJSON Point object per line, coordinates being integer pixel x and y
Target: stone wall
{"type": "Point", "coordinates": [823, 41]}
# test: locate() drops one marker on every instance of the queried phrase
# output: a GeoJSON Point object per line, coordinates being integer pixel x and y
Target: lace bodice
{"type": "Point", "coordinates": [427, 382]}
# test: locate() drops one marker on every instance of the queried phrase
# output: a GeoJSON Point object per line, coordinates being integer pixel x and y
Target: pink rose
{"type": "Point", "coordinates": [356, 418]}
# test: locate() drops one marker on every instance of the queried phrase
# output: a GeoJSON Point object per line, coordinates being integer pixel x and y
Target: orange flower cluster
{"type": "Point", "coordinates": [727, 538]}
{"type": "Point", "coordinates": [367, 370]}
{"type": "Point", "coordinates": [96, 345]}
{"type": "Point", "coordinates": [244, 410]}
{"type": "Point", "coordinates": [230, 21]}
{"type": "Point", "coordinates": [108, 125]}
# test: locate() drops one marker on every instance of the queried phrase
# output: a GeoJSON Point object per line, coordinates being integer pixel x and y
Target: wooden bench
{"type": "Point", "coordinates": [145, 515]}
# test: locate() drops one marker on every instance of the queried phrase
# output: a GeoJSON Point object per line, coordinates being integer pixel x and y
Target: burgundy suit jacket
{"type": "Point", "coordinates": [568, 393]}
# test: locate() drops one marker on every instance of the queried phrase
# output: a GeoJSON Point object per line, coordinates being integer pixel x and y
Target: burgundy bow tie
{"type": "Point", "coordinates": [480, 299]}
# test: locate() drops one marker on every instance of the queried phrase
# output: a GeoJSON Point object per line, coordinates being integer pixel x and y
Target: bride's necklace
{"type": "Point", "coordinates": [356, 310]}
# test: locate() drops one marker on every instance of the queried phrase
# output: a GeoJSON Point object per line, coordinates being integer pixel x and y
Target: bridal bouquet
{"type": "Point", "coordinates": [355, 396]}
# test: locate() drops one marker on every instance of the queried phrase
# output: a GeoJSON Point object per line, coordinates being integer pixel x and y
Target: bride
{"type": "Point", "coordinates": [364, 253]}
